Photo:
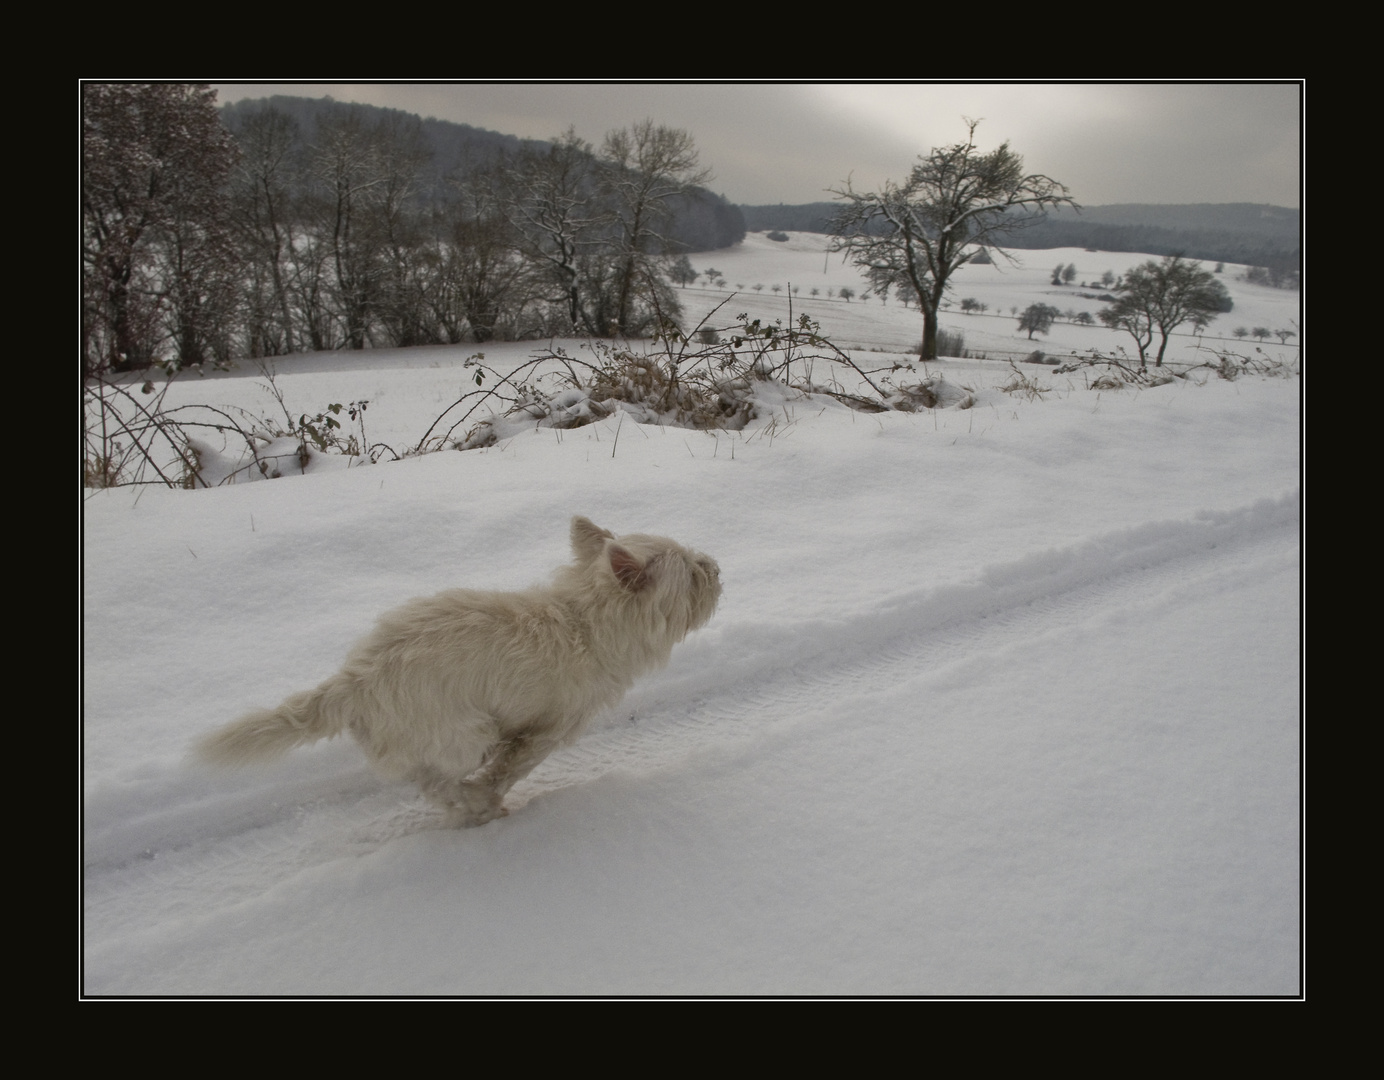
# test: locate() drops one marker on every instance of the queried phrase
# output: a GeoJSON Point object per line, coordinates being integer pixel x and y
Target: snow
{"type": "Point", "coordinates": [870, 325]}
{"type": "Point", "coordinates": [998, 701]}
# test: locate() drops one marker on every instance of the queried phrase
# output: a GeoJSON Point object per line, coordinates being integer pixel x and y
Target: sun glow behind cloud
{"type": "Point", "coordinates": [774, 142]}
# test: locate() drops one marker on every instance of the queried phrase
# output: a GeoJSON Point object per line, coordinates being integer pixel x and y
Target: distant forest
{"type": "Point", "coordinates": [1248, 233]}
{"type": "Point", "coordinates": [291, 225]}
{"type": "Point", "coordinates": [697, 220]}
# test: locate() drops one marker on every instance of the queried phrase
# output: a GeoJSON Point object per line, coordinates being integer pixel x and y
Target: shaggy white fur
{"type": "Point", "coordinates": [465, 692]}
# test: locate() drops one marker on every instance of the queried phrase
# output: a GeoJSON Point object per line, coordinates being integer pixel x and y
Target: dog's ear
{"type": "Point", "coordinates": [629, 571]}
{"type": "Point", "coordinates": [588, 540]}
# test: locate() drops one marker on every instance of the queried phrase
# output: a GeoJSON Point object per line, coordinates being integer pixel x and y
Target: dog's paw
{"type": "Point", "coordinates": [460, 817]}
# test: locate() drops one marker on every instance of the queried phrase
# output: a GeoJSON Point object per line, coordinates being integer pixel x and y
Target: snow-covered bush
{"type": "Point", "coordinates": [707, 379]}
{"type": "Point", "coordinates": [130, 437]}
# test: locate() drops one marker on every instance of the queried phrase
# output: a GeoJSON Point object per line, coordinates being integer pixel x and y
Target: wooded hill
{"type": "Point", "coordinates": [1249, 233]}
{"type": "Point", "coordinates": [703, 221]}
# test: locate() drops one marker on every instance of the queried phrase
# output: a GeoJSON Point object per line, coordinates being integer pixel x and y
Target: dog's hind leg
{"type": "Point", "coordinates": [479, 798]}
{"type": "Point", "coordinates": [515, 758]}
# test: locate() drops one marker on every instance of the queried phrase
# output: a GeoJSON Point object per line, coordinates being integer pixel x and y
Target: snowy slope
{"type": "Point", "coordinates": [998, 701]}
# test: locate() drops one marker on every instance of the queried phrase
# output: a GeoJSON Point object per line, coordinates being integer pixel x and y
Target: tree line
{"type": "Point", "coordinates": [285, 233]}
{"type": "Point", "coordinates": [1273, 251]}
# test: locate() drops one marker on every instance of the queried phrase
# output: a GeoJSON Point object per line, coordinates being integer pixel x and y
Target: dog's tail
{"type": "Point", "coordinates": [267, 733]}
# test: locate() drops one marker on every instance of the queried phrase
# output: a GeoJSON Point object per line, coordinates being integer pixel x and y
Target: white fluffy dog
{"type": "Point", "coordinates": [465, 692]}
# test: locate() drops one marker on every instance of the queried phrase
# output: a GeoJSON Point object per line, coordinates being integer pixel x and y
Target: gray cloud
{"type": "Point", "coordinates": [774, 142]}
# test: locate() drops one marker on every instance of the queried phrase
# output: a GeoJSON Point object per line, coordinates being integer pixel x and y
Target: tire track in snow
{"type": "Point", "coordinates": [1011, 605]}
{"type": "Point", "coordinates": [207, 844]}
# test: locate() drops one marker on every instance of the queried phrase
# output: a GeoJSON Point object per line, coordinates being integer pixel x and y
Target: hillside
{"type": "Point", "coordinates": [1224, 232]}
{"type": "Point", "coordinates": [1252, 234]}
{"type": "Point", "coordinates": [702, 222]}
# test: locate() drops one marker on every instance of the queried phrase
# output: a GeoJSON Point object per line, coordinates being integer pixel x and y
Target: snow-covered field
{"type": "Point", "coordinates": [1002, 700]}
{"type": "Point", "coordinates": [803, 262]}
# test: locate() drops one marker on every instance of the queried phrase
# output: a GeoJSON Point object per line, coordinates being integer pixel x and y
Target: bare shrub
{"type": "Point", "coordinates": [951, 343]}
{"type": "Point", "coordinates": [1023, 385]}
{"type": "Point", "coordinates": [131, 437]}
{"type": "Point", "coordinates": [1120, 370]}
{"type": "Point", "coordinates": [931, 393]}
{"type": "Point", "coordinates": [703, 379]}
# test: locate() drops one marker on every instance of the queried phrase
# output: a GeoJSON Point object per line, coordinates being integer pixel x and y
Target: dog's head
{"type": "Point", "coordinates": [682, 585]}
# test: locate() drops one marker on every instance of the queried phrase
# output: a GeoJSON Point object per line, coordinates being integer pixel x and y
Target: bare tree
{"type": "Point", "coordinates": [350, 174]}
{"type": "Point", "coordinates": [549, 203]}
{"type": "Point", "coordinates": [644, 167]}
{"type": "Point", "coordinates": [956, 202]}
{"type": "Point", "coordinates": [1038, 318]}
{"type": "Point", "coordinates": [484, 282]}
{"type": "Point", "coordinates": [198, 268]}
{"type": "Point", "coordinates": [262, 192]}
{"type": "Point", "coordinates": [683, 272]}
{"type": "Point", "coordinates": [408, 270]}
{"type": "Point", "coordinates": [155, 159]}
{"type": "Point", "coordinates": [1158, 297]}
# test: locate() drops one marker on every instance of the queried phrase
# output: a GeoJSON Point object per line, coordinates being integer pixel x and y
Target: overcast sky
{"type": "Point", "coordinates": [775, 142]}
